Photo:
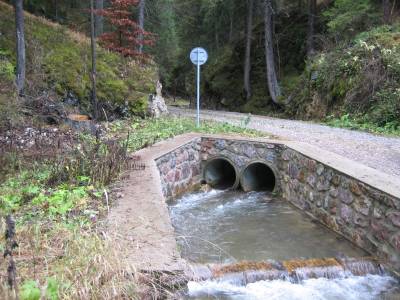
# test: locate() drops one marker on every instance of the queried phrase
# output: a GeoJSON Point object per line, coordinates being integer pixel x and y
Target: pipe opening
{"type": "Point", "coordinates": [220, 174]}
{"type": "Point", "coordinates": [258, 177]}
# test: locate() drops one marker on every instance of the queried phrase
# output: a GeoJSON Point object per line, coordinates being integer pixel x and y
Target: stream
{"type": "Point", "coordinates": [222, 227]}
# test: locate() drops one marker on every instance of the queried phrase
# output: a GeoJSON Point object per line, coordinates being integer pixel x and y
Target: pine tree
{"type": "Point", "coordinates": [312, 10]}
{"type": "Point", "coordinates": [126, 35]}
{"type": "Point", "coordinates": [272, 78]}
{"type": "Point", "coordinates": [247, 61]}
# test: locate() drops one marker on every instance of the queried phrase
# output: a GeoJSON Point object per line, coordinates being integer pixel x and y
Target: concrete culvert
{"type": "Point", "coordinates": [258, 177]}
{"type": "Point", "coordinates": [220, 174]}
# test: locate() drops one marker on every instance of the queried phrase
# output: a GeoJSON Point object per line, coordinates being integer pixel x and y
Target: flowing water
{"type": "Point", "coordinates": [224, 227]}
{"type": "Point", "coordinates": [368, 287]}
{"type": "Point", "coordinates": [227, 227]}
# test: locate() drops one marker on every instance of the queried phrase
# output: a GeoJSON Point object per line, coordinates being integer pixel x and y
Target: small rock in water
{"type": "Point", "coordinates": [268, 197]}
{"type": "Point", "coordinates": [205, 188]}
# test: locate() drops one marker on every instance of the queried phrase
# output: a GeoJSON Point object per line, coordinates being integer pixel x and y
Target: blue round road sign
{"type": "Point", "coordinates": [198, 56]}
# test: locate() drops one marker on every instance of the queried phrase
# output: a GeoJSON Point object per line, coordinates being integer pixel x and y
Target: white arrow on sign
{"type": "Point", "coordinates": [199, 57]}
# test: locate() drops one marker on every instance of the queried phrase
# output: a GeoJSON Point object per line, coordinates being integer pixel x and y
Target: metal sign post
{"type": "Point", "coordinates": [198, 94]}
{"type": "Point", "coordinates": [199, 57]}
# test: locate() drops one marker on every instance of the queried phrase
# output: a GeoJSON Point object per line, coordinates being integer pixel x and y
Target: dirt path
{"type": "Point", "coordinates": [378, 152]}
{"type": "Point", "coordinates": [139, 224]}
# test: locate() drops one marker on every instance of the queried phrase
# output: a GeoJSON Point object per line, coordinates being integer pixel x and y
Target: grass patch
{"type": "Point", "coordinates": [143, 133]}
{"type": "Point", "coordinates": [58, 210]}
{"type": "Point", "coordinates": [349, 122]}
{"type": "Point", "coordinates": [63, 260]}
{"type": "Point", "coordinates": [59, 203]}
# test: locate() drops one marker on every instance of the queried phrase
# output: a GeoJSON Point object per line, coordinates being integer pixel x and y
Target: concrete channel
{"type": "Point", "coordinates": [355, 201]}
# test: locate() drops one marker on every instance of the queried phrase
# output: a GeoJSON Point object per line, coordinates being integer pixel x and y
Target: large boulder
{"type": "Point", "coordinates": [157, 106]}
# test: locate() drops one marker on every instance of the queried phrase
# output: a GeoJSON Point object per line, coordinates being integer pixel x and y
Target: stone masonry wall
{"type": "Point", "coordinates": [240, 152]}
{"type": "Point", "coordinates": [363, 214]}
{"type": "Point", "coordinates": [180, 169]}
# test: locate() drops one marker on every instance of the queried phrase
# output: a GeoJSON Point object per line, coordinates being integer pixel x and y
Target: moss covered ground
{"type": "Point", "coordinates": [354, 85]}
{"type": "Point", "coordinates": [59, 62]}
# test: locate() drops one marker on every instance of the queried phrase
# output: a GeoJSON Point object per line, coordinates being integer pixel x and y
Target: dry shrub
{"type": "Point", "coordinates": [317, 108]}
{"type": "Point", "coordinates": [101, 161]}
{"type": "Point", "coordinates": [68, 154]}
{"type": "Point", "coordinates": [84, 261]}
{"type": "Point", "coordinates": [10, 111]}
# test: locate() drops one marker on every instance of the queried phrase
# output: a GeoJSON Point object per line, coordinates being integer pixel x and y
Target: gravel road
{"type": "Point", "coordinates": [378, 152]}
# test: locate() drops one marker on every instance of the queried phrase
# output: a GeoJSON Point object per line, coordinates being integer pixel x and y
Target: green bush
{"type": "Point", "coordinates": [52, 289]}
{"type": "Point", "coordinates": [6, 70]}
{"type": "Point", "coordinates": [351, 16]}
{"type": "Point", "coordinates": [30, 291]}
{"type": "Point", "coordinates": [386, 108]}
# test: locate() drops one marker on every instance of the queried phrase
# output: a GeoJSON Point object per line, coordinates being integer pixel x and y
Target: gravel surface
{"type": "Point", "coordinates": [378, 152]}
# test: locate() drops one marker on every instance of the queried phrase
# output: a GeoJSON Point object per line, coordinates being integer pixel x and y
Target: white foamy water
{"type": "Point", "coordinates": [194, 199]}
{"type": "Point", "coordinates": [370, 287]}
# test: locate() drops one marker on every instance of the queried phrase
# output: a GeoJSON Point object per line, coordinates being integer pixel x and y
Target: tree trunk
{"type": "Point", "coordinates": [99, 20]}
{"type": "Point", "coordinates": [312, 10]}
{"type": "Point", "coordinates": [299, 5]}
{"type": "Point", "coordinates": [247, 60]}
{"type": "Point", "coordinates": [10, 246]}
{"type": "Point", "coordinates": [231, 27]}
{"type": "Point", "coordinates": [216, 37]}
{"type": "Point", "coordinates": [273, 86]}
{"type": "Point", "coordinates": [19, 24]}
{"type": "Point", "coordinates": [386, 11]}
{"type": "Point", "coordinates": [142, 5]}
{"type": "Point", "coordinates": [93, 48]}
{"type": "Point", "coordinates": [56, 10]}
